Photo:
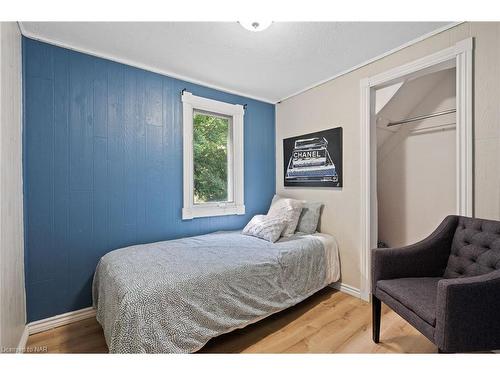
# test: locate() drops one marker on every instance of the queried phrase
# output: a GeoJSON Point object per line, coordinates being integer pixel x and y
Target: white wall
{"type": "Point", "coordinates": [416, 170]}
{"type": "Point", "coordinates": [12, 296]}
{"type": "Point", "coordinates": [337, 103]}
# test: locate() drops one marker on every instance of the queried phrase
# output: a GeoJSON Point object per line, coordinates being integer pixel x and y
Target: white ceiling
{"type": "Point", "coordinates": [270, 65]}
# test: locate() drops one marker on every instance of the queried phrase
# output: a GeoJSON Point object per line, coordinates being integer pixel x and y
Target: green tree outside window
{"type": "Point", "coordinates": [210, 152]}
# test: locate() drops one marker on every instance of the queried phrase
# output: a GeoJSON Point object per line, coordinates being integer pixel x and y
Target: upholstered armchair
{"type": "Point", "coordinates": [447, 286]}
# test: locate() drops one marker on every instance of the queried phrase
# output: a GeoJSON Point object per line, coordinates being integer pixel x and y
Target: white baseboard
{"type": "Point", "coordinates": [21, 347]}
{"type": "Point", "coordinates": [355, 292]}
{"type": "Point", "coordinates": [60, 320]}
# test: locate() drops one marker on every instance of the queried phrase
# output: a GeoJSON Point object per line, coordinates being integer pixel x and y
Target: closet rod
{"type": "Point", "coordinates": [423, 117]}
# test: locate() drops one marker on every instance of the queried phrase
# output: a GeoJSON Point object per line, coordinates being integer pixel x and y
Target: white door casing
{"type": "Point", "coordinates": [459, 56]}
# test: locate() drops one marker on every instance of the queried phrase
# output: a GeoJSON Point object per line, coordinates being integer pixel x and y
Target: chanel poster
{"type": "Point", "coordinates": [314, 159]}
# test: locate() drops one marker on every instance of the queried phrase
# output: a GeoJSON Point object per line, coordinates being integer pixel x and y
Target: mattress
{"type": "Point", "coordinates": [174, 296]}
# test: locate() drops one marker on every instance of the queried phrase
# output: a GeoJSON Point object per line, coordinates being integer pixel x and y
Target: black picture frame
{"type": "Point", "coordinates": [313, 159]}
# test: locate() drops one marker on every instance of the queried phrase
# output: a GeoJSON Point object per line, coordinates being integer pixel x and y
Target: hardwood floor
{"type": "Point", "coordinates": [328, 322]}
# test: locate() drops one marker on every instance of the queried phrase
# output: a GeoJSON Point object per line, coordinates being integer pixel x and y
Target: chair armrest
{"type": "Point", "coordinates": [467, 313]}
{"type": "Point", "coordinates": [426, 258]}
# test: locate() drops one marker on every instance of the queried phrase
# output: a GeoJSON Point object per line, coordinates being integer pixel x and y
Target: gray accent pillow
{"type": "Point", "coordinates": [309, 217]}
{"type": "Point", "coordinates": [268, 228]}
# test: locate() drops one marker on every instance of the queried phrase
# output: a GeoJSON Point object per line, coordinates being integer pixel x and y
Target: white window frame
{"type": "Point", "coordinates": [236, 205]}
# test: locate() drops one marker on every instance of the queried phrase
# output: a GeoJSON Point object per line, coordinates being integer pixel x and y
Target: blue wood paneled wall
{"type": "Point", "coordinates": [103, 168]}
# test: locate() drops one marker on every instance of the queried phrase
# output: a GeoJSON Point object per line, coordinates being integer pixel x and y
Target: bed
{"type": "Point", "coordinates": [174, 296]}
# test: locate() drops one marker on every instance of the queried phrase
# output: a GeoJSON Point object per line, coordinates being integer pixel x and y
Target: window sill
{"type": "Point", "coordinates": [189, 213]}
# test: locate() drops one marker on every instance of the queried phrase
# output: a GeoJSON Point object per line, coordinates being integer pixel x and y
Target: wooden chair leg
{"type": "Point", "coordinates": [376, 311]}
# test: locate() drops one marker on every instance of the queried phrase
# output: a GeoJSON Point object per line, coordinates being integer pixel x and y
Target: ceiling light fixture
{"type": "Point", "coordinates": [255, 25]}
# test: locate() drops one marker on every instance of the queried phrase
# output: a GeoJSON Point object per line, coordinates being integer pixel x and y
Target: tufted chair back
{"type": "Point", "coordinates": [475, 249]}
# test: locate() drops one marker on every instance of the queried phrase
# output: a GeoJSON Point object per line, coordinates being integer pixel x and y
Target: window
{"type": "Point", "coordinates": [213, 157]}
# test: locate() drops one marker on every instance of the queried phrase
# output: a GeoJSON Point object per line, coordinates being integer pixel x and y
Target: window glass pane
{"type": "Point", "coordinates": [210, 157]}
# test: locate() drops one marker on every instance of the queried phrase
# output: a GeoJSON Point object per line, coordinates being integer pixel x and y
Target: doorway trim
{"type": "Point", "coordinates": [461, 56]}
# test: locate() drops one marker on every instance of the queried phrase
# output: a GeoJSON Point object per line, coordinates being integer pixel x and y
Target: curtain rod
{"type": "Point", "coordinates": [423, 117]}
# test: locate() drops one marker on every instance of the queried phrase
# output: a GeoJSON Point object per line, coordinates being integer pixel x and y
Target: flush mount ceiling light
{"type": "Point", "coordinates": [255, 25]}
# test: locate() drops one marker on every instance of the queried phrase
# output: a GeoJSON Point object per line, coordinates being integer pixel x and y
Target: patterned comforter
{"type": "Point", "coordinates": [174, 296]}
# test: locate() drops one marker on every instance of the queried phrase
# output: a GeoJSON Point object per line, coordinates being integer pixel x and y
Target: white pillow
{"type": "Point", "coordinates": [287, 210]}
{"type": "Point", "coordinates": [265, 227]}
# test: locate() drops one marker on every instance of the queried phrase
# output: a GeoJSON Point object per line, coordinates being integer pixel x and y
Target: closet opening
{"type": "Point", "coordinates": [415, 122]}
{"type": "Point", "coordinates": [416, 150]}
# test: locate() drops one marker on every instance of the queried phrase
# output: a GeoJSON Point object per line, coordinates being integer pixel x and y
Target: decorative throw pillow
{"type": "Point", "coordinates": [275, 198]}
{"type": "Point", "coordinates": [309, 217]}
{"type": "Point", "coordinates": [287, 210]}
{"type": "Point", "coordinates": [265, 227]}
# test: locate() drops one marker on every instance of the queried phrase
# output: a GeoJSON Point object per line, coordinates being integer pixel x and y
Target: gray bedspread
{"type": "Point", "coordinates": [174, 296]}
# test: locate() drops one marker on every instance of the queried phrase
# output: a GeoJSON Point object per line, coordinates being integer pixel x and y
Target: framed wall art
{"type": "Point", "coordinates": [314, 159]}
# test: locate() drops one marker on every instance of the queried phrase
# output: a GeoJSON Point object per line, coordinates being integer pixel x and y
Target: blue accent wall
{"type": "Point", "coordinates": [103, 168]}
